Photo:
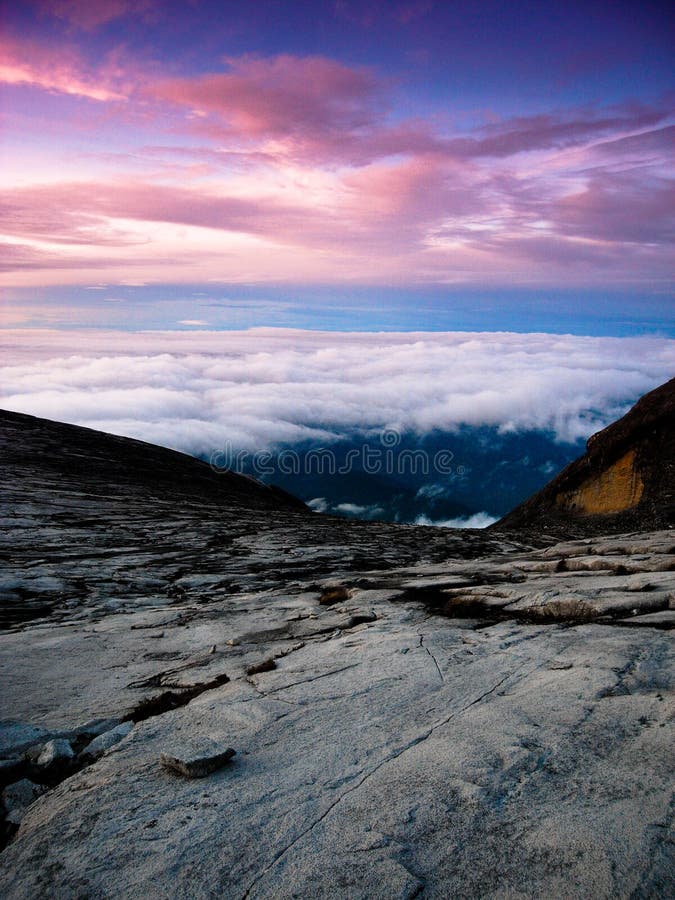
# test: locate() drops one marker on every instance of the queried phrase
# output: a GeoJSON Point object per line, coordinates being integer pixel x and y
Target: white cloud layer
{"type": "Point", "coordinates": [203, 391]}
{"type": "Point", "coordinates": [477, 520]}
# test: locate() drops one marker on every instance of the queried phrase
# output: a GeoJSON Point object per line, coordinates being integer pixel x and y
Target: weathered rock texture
{"type": "Point", "coordinates": [416, 712]}
{"type": "Point", "coordinates": [625, 481]}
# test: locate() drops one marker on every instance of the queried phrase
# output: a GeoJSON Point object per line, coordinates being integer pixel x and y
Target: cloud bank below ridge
{"type": "Point", "coordinates": [250, 390]}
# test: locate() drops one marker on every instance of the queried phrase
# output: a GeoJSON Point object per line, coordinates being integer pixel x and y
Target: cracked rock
{"type": "Point", "coordinates": [360, 618]}
{"type": "Point", "coordinates": [267, 665]}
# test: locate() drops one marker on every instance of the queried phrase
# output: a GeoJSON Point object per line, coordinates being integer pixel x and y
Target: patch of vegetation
{"type": "Point", "coordinates": [570, 610]}
{"type": "Point", "coordinates": [332, 595]}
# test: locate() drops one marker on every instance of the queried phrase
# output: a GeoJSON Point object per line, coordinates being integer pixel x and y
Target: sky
{"type": "Point", "coordinates": [348, 166]}
{"type": "Point", "coordinates": [273, 223]}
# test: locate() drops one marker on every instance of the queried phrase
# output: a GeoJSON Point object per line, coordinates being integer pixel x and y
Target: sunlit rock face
{"type": "Point", "coordinates": [615, 489]}
{"type": "Point", "coordinates": [625, 481]}
{"type": "Point", "coordinates": [347, 709]}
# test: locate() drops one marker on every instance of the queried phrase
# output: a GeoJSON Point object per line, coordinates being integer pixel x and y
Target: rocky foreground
{"type": "Point", "coordinates": [414, 711]}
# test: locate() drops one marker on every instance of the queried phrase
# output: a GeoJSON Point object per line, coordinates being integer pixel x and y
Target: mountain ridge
{"type": "Point", "coordinates": [624, 482]}
{"type": "Point", "coordinates": [85, 455]}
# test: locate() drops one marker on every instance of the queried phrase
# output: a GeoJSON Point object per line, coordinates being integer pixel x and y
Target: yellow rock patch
{"type": "Point", "coordinates": [616, 489]}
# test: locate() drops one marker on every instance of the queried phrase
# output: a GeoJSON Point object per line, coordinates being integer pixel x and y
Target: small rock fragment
{"type": "Point", "coordinates": [560, 664]}
{"type": "Point", "coordinates": [267, 665]}
{"type": "Point", "coordinates": [55, 752]}
{"type": "Point", "coordinates": [359, 618]}
{"type": "Point", "coordinates": [93, 727]}
{"type": "Point", "coordinates": [197, 762]}
{"type": "Point", "coordinates": [108, 739]}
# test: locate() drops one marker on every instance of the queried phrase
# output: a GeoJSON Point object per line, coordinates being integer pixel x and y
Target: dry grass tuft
{"type": "Point", "coordinates": [572, 610]}
{"type": "Point", "coordinates": [332, 595]}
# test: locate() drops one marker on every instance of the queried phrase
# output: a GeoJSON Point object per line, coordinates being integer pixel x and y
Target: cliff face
{"type": "Point", "coordinates": [624, 482]}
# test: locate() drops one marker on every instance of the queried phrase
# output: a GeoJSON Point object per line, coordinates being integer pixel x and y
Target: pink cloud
{"type": "Point", "coordinates": [624, 207]}
{"type": "Point", "coordinates": [397, 204]}
{"type": "Point", "coordinates": [557, 259]}
{"type": "Point", "coordinates": [546, 132]}
{"type": "Point", "coordinates": [319, 110]}
{"type": "Point", "coordinates": [551, 131]}
{"type": "Point", "coordinates": [307, 110]}
{"type": "Point", "coordinates": [16, 257]}
{"type": "Point", "coordinates": [58, 70]}
{"type": "Point", "coordinates": [280, 96]}
{"type": "Point", "coordinates": [88, 15]}
{"type": "Point", "coordinates": [79, 213]}
{"type": "Point", "coordinates": [426, 215]}
{"type": "Point", "coordinates": [654, 141]}
{"type": "Point", "coordinates": [305, 160]}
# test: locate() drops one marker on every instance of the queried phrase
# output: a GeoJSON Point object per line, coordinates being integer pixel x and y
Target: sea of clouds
{"type": "Point", "coordinates": [199, 391]}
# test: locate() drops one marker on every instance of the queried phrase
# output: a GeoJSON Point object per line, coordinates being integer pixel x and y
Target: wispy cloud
{"type": "Point", "coordinates": [281, 96]}
{"type": "Point", "coordinates": [319, 110]}
{"type": "Point", "coordinates": [89, 15]}
{"type": "Point", "coordinates": [59, 70]}
{"type": "Point", "coordinates": [302, 169]}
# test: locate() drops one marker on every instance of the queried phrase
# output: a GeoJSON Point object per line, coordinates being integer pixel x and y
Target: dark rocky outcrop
{"type": "Point", "coordinates": [79, 458]}
{"type": "Point", "coordinates": [94, 520]}
{"type": "Point", "coordinates": [624, 482]}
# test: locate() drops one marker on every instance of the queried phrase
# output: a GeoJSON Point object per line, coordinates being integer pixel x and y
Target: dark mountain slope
{"type": "Point", "coordinates": [88, 519]}
{"type": "Point", "coordinates": [81, 458]}
{"type": "Point", "coordinates": [624, 482]}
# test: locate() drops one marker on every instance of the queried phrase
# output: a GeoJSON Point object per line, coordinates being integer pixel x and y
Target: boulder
{"type": "Point", "coordinates": [16, 737]}
{"type": "Point", "coordinates": [21, 794]}
{"type": "Point", "coordinates": [55, 752]}
{"type": "Point", "coordinates": [196, 761]}
{"type": "Point", "coordinates": [105, 741]}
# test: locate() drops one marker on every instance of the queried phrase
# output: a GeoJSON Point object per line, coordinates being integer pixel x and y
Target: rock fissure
{"type": "Point", "coordinates": [390, 757]}
{"type": "Point", "coordinates": [435, 661]}
{"type": "Point", "coordinates": [292, 684]}
{"type": "Point", "coordinates": [658, 878]}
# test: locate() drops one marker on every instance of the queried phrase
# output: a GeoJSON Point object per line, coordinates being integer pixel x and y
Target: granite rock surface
{"type": "Point", "coordinates": [471, 714]}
